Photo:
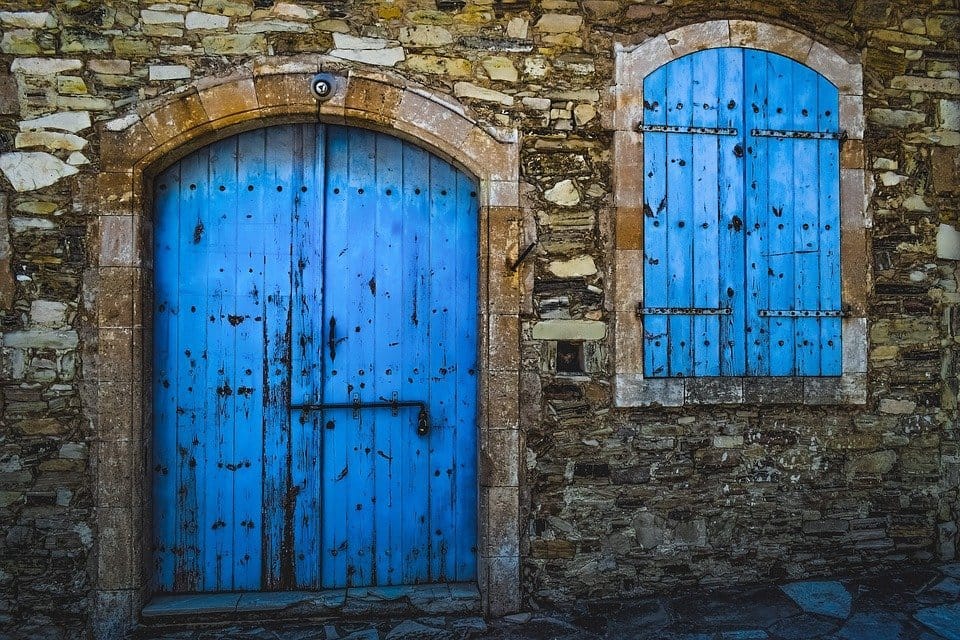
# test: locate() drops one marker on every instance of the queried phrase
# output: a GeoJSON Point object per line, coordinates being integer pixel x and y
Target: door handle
{"type": "Point", "coordinates": [332, 339]}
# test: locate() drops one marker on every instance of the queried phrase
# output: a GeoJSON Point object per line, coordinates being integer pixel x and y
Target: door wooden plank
{"type": "Point", "coordinates": [220, 257]}
{"type": "Point", "coordinates": [253, 222]}
{"type": "Point", "coordinates": [780, 239]}
{"type": "Point", "coordinates": [278, 561]}
{"type": "Point", "coordinates": [165, 376]}
{"type": "Point", "coordinates": [415, 468]}
{"type": "Point", "coordinates": [679, 219]}
{"type": "Point", "coordinates": [464, 354]}
{"type": "Point", "coordinates": [757, 213]}
{"type": "Point", "coordinates": [358, 350]}
{"type": "Point", "coordinates": [829, 219]}
{"type": "Point", "coordinates": [305, 369]}
{"type": "Point", "coordinates": [193, 273]}
{"type": "Point", "coordinates": [442, 385]}
{"type": "Point", "coordinates": [338, 380]}
{"type": "Point", "coordinates": [391, 432]}
{"type": "Point", "coordinates": [732, 227]}
{"type": "Point", "coordinates": [705, 258]}
{"type": "Point", "coordinates": [655, 227]}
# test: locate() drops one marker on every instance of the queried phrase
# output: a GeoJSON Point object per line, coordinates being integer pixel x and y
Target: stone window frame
{"type": "Point", "coordinates": [632, 64]}
{"type": "Point", "coordinates": [133, 149]}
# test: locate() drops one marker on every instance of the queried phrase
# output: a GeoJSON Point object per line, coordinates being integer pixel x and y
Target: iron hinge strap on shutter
{"type": "Point", "coordinates": [802, 135]}
{"type": "Point", "coordinates": [803, 313]}
{"type": "Point", "coordinates": [682, 311]}
{"type": "Point", "coordinates": [663, 128]}
{"type": "Point", "coordinates": [423, 416]}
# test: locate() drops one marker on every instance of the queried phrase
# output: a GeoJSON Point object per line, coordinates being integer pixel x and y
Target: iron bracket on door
{"type": "Point", "coordinates": [423, 416]}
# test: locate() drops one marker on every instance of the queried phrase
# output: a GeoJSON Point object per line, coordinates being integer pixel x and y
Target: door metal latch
{"type": "Point", "coordinates": [394, 404]}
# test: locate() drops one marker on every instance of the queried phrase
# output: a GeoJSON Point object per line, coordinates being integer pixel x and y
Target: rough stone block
{"type": "Point", "coordinates": [699, 36]}
{"type": "Point", "coordinates": [569, 330]}
{"type": "Point", "coordinates": [115, 354]}
{"type": "Point", "coordinates": [945, 169]}
{"type": "Point", "coordinates": [713, 390]}
{"type": "Point", "coordinates": [371, 100]}
{"type": "Point", "coordinates": [289, 91]}
{"type": "Point", "coordinates": [761, 391]}
{"type": "Point", "coordinates": [119, 245]}
{"type": "Point", "coordinates": [113, 613]}
{"type": "Point", "coordinates": [504, 341]}
{"type": "Point", "coordinates": [500, 585]}
{"type": "Point", "coordinates": [229, 98]}
{"type": "Point", "coordinates": [114, 472]}
{"type": "Point", "coordinates": [501, 456]}
{"type": "Point", "coordinates": [632, 390]}
{"type": "Point", "coordinates": [502, 400]}
{"type": "Point", "coordinates": [169, 121]}
{"type": "Point", "coordinates": [115, 561]}
{"type": "Point", "coordinates": [120, 150]}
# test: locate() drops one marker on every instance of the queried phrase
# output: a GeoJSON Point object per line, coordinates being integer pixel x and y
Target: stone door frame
{"type": "Point", "coordinates": [117, 294]}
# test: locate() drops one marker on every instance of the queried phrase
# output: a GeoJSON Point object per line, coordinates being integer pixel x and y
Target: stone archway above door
{"type": "Point", "coordinates": [134, 148]}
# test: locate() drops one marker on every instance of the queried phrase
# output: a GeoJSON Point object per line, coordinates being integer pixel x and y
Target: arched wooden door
{"type": "Point", "coordinates": [314, 383]}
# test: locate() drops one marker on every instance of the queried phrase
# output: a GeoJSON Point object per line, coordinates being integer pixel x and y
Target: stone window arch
{"type": "Point", "coordinates": [635, 63]}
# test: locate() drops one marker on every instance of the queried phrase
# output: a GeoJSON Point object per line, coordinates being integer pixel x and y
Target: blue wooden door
{"type": "Point", "coordinates": [741, 217]}
{"type": "Point", "coordinates": [313, 284]}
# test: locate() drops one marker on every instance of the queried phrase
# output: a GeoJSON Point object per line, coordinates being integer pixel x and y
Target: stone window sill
{"type": "Point", "coordinates": [633, 390]}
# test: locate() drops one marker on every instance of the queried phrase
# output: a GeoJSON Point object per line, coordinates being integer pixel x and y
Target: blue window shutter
{"type": "Point", "coordinates": [741, 218]}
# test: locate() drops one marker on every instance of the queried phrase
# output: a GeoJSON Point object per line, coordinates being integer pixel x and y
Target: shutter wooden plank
{"type": "Point", "coordinates": [277, 531]}
{"type": "Point", "coordinates": [732, 231]}
{"type": "Point", "coordinates": [757, 218]}
{"type": "Point", "coordinates": [391, 433]}
{"type": "Point", "coordinates": [679, 218]}
{"type": "Point", "coordinates": [829, 209]}
{"type": "Point", "coordinates": [803, 111]}
{"type": "Point", "coordinates": [655, 267]}
{"type": "Point", "coordinates": [464, 372]}
{"type": "Point", "coordinates": [338, 424]}
{"type": "Point", "coordinates": [414, 467]}
{"type": "Point", "coordinates": [780, 194]}
{"type": "Point", "coordinates": [192, 270]}
{"type": "Point", "coordinates": [249, 366]}
{"type": "Point", "coordinates": [165, 376]}
{"type": "Point", "coordinates": [307, 333]}
{"type": "Point", "coordinates": [442, 387]}
{"type": "Point", "coordinates": [704, 226]}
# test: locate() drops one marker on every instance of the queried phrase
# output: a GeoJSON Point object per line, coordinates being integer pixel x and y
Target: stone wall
{"type": "Point", "coordinates": [614, 500]}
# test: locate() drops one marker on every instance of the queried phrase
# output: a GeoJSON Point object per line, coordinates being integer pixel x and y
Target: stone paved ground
{"type": "Point", "coordinates": [921, 603]}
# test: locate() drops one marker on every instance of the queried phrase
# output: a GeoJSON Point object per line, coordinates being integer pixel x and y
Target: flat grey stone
{"type": "Point", "coordinates": [746, 634]}
{"type": "Point", "coordinates": [182, 605]}
{"type": "Point", "coordinates": [878, 625]}
{"type": "Point", "coordinates": [944, 620]}
{"type": "Point", "coordinates": [948, 586]}
{"type": "Point", "coordinates": [410, 630]}
{"type": "Point", "coordinates": [802, 627]}
{"type": "Point", "coordinates": [272, 601]}
{"type": "Point", "coordinates": [518, 618]}
{"type": "Point", "coordinates": [365, 634]}
{"type": "Point", "coordinates": [826, 598]}
{"type": "Point", "coordinates": [474, 623]}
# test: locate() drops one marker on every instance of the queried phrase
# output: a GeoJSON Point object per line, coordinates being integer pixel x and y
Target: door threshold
{"type": "Point", "coordinates": [354, 602]}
